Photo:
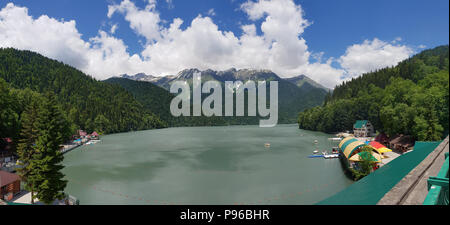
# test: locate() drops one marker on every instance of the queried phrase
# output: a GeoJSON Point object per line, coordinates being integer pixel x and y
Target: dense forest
{"type": "Point", "coordinates": [87, 103]}
{"type": "Point", "coordinates": [411, 98]}
{"type": "Point", "coordinates": [157, 100]}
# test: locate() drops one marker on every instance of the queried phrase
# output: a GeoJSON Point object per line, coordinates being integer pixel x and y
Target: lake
{"type": "Point", "coordinates": [205, 165]}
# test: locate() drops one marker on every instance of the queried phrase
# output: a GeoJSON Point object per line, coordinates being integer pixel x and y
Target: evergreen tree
{"type": "Point", "coordinates": [9, 125]}
{"type": "Point", "coordinates": [26, 146]}
{"type": "Point", "coordinates": [47, 177]}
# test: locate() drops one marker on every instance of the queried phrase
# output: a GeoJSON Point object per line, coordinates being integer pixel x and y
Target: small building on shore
{"type": "Point", "coordinates": [94, 136]}
{"type": "Point", "coordinates": [5, 144]}
{"type": "Point", "coordinates": [363, 128]}
{"type": "Point", "coordinates": [9, 185]}
{"type": "Point", "coordinates": [402, 143]}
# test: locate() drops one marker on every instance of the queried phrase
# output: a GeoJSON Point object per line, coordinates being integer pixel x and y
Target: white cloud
{"type": "Point", "coordinates": [170, 4]}
{"type": "Point", "coordinates": [421, 46]}
{"type": "Point", "coordinates": [56, 39]}
{"type": "Point", "coordinates": [211, 12]}
{"type": "Point", "coordinates": [114, 28]}
{"type": "Point", "coordinates": [372, 55]}
{"type": "Point", "coordinates": [102, 56]}
{"type": "Point", "coordinates": [145, 22]}
{"type": "Point", "coordinates": [201, 45]}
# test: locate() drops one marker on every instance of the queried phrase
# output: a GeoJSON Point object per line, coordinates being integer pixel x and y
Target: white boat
{"type": "Point", "coordinates": [335, 139]}
{"type": "Point", "coordinates": [330, 156]}
{"type": "Point", "coordinates": [316, 151]}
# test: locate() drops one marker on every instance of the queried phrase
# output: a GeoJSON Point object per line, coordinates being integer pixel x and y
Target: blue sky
{"type": "Point", "coordinates": [334, 26]}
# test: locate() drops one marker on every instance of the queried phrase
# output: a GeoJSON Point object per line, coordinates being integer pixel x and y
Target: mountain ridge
{"type": "Point", "coordinates": [231, 74]}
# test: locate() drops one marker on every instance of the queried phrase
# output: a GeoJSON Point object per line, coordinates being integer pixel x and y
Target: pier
{"type": "Point", "coordinates": [68, 148]}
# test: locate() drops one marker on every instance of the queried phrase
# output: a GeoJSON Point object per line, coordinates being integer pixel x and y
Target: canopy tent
{"type": "Point", "coordinates": [344, 141]}
{"type": "Point", "coordinates": [374, 157]}
{"type": "Point", "coordinates": [350, 148]}
{"type": "Point", "coordinates": [349, 145]}
{"type": "Point", "coordinates": [379, 147]}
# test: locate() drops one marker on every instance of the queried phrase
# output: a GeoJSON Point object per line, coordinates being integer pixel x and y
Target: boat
{"type": "Point", "coordinates": [267, 145]}
{"type": "Point", "coordinates": [335, 139]}
{"type": "Point", "coordinates": [330, 156]}
{"type": "Point", "coordinates": [316, 151]}
{"type": "Point", "coordinates": [315, 156]}
{"type": "Point", "coordinates": [316, 141]}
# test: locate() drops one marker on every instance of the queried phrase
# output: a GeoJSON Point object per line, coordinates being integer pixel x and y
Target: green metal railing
{"type": "Point", "coordinates": [438, 187]}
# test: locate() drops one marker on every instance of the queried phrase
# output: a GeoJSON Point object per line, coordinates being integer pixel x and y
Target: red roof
{"type": "Point", "coordinates": [94, 134]}
{"type": "Point", "coordinates": [9, 140]}
{"type": "Point", "coordinates": [376, 145]}
{"type": "Point", "coordinates": [82, 133]}
{"type": "Point", "coordinates": [7, 178]}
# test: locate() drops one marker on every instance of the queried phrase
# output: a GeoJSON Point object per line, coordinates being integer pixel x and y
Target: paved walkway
{"type": "Point", "coordinates": [389, 156]}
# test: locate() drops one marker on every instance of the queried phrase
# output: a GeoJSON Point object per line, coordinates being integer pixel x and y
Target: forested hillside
{"type": "Point", "coordinates": [410, 98]}
{"type": "Point", "coordinates": [157, 100]}
{"type": "Point", "coordinates": [88, 104]}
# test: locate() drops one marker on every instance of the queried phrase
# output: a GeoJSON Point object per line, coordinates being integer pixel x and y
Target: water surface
{"type": "Point", "coordinates": [205, 165]}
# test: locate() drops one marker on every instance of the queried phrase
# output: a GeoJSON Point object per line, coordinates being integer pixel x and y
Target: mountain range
{"type": "Point", "coordinates": [302, 81]}
{"type": "Point", "coordinates": [294, 94]}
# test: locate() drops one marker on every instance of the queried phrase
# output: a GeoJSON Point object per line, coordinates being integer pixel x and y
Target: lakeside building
{"type": "Point", "coordinates": [94, 136]}
{"type": "Point", "coordinates": [402, 143]}
{"type": "Point", "coordinates": [9, 185]}
{"type": "Point", "coordinates": [363, 128]}
{"type": "Point", "coordinates": [5, 144]}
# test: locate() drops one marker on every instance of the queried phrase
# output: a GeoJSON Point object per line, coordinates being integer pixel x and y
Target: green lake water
{"type": "Point", "coordinates": [205, 165]}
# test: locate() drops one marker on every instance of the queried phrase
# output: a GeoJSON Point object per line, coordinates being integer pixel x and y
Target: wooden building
{"type": "Point", "coordinates": [9, 185]}
{"type": "Point", "coordinates": [402, 143]}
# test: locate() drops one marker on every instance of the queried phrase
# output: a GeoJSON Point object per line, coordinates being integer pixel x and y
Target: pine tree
{"type": "Point", "coordinates": [26, 146]}
{"type": "Point", "coordinates": [47, 177]}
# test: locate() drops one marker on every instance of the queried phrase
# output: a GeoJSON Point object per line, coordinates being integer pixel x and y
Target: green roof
{"type": "Point", "coordinates": [360, 123]}
{"type": "Point", "coordinates": [370, 189]}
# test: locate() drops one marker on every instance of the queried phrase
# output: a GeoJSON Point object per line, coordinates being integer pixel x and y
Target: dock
{"type": "Point", "coordinates": [68, 148]}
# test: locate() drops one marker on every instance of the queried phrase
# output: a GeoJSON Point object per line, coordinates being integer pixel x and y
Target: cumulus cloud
{"type": "Point", "coordinates": [202, 44]}
{"type": "Point", "coordinates": [372, 55]}
{"type": "Point", "coordinates": [102, 56]}
{"type": "Point", "coordinates": [145, 22]}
